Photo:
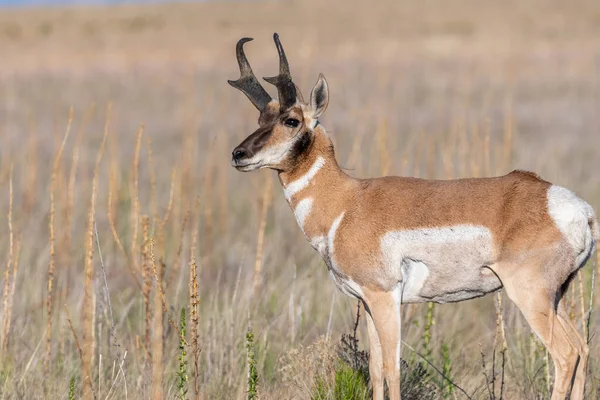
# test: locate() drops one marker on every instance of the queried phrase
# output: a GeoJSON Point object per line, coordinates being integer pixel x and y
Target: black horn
{"type": "Point", "coordinates": [283, 81]}
{"type": "Point", "coordinates": [248, 83]}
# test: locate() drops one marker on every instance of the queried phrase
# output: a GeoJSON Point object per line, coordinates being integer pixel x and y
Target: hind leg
{"type": "Point", "coordinates": [582, 348]}
{"type": "Point", "coordinates": [531, 292]}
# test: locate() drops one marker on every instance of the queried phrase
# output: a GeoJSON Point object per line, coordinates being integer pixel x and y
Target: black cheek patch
{"type": "Point", "coordinates": [301, 146]}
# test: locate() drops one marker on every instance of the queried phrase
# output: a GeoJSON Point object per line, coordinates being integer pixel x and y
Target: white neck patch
{"type": "Point", "coordinates": [302, 182]}
{"type": "Point", "coordinates": [302, 210]}
{"type": "Point", "coordinates": [331, 234]}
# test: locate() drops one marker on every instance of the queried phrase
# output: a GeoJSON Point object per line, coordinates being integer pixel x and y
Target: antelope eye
{"type": "Point", "coordinates": [292, 122]}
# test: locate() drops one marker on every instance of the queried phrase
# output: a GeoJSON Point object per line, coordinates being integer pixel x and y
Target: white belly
{"type": "Point", "coordinates": [441, 264]}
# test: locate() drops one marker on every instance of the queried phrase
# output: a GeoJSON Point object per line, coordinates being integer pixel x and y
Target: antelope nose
{"type": "Point", "coordinates": [239, 153]}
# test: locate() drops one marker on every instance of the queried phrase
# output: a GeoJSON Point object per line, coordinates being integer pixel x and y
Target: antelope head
{"type": "Point", "coordinates": [286, 126]}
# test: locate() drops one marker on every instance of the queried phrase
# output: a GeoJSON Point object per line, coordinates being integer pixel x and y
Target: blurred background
{"type": "Point", "coordinates": [119, 209]}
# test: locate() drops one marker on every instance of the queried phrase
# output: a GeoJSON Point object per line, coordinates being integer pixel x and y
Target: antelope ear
{"type": "Point", "coordinates": [319, 97]}
{"type": "Point", "coordinates": [299, 94]}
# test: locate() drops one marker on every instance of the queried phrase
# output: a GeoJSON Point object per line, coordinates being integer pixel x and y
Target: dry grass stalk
{"type": "Point", "coordinates": [153, 198]}
{"type": "Point", "coordinates": [146, 280]}
{"type": "Point", "coordinates": [169, 210]}
{"type": "Point", "coordinates": [499, 331]}
{"type": "Point", "coordinates": [261, 234]}
{"type": "Point", "coordinates": [135, 200]}
{"type": "Point", "coordinates": [301, 366]}
{"type": "Point", "coordinates": [93, 341]}
{"type": "Point", "coordinates": [89, 298]}
{"type": "Point", "coordinates": [573, 304]}
{"type": "Point", "coordinates": [591, 301]}
{"type": "Point", "coordinates": [208, 212]}
{"type": "Point", "coordinates": [62, 346]}
{"type": "Point", "coordinates": [113, 229]}
{"type": "Point", "coordinates": [194, 300]}
{"type": "Point", "coordinates": [10, 262]}
{"type": "Point", "coordinates": [500, 319]}
{"type": "Point", "coordinates": [582, 303]}
{"type": "Point", "coordinates": [159, 232]}
{"type": "Point", "coordinates": [113, 336]}
{"type": "Point", "coordinates": [81, 355]}
{"type": "Point", "coordinates": [141, 349]}
{"type": "Point", "coordinates": [68, 210]}
{"type": "Point", "coordinates": [158, 227]}
{"type": "Point", "coordinates": [157, 330]}
{"type": "Point", "coordinates": [161, 293]}
{"type": "Point", "coordinates": [112, 188]}
{"type": "Point", "coordinates": [175, 268]}
{"type": "Point", "coordinates": [51, 264]}
{"type": "Point", "coordinates": [11, 297]}
{"type": "Point", "coordinates": [194, 322]}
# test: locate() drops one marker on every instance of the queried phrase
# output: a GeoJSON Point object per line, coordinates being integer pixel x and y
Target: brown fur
{"type": "Point", "coordinates": [511, 206]}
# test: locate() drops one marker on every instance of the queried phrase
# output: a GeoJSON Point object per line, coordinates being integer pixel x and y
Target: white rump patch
{"type": "Point", "coordinates": [299, 184]}
{"type": "Point", "coordinates": [302, 210]}
{"type": "Point", "coordinates": [572, 215]}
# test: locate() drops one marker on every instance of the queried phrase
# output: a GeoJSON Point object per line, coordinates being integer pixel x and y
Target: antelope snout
{"type": "Point", "coordinates": [238, 154]}
{"type": "Point", "coordinates": [239, 158]}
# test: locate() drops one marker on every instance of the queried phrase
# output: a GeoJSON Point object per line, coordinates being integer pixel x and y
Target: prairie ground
{"type": "Point", "coordinates": [436, 89]}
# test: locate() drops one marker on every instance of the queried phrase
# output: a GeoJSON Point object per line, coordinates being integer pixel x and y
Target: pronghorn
{"type": "Point", "coordinates": [394, 240]}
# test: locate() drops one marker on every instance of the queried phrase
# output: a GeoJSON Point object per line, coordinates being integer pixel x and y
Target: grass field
{"type": "Point", "coordinates": [118, 214]}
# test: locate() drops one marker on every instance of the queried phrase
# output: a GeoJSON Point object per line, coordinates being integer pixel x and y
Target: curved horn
{"type": "Point", "coordinates": [283, 81]}
{"type": "Point", "coordinates": [247, 82]}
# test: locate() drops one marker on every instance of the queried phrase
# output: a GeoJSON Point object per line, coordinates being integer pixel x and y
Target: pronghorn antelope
{"type": "Point", "coordinates": [394, 240]}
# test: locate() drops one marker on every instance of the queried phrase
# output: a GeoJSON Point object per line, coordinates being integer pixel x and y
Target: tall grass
{"type": "Point", "coordinates": [179, 229]}
{"type": "Point", "coordinates": [162, 292]}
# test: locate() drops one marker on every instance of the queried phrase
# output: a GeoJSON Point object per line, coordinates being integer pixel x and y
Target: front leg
{"type": "Point", "coordinates": [375, 362]}
{"type": "Point", "coordinates": [384, 311]}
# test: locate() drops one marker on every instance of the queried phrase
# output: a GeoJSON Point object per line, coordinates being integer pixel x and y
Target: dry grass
{"type": "Point", "coordinates": [435, 89]}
